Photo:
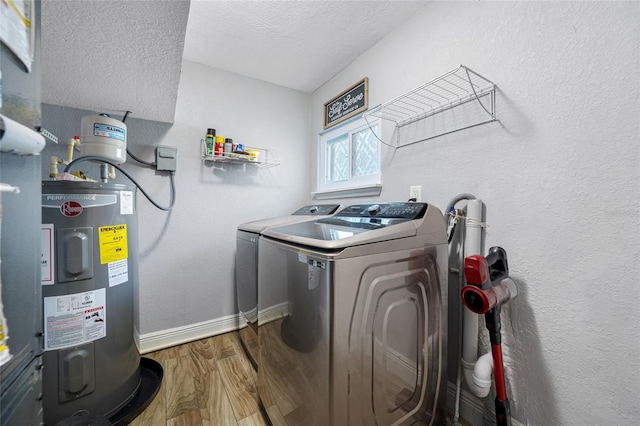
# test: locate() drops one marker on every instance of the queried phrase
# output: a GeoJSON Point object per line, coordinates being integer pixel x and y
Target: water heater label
{"type": "Point", "coordinates": [108, 131]}
{"type": "Point", "coordinates": [74, 319]}
{"type": "Point", "coordinates": [126, 202]}
{"type": "Point", "coordinates": [46, 256]}
{"type": "Point", "coordinates": [118, 272]}
{"type": "Point", "coordinates": [113, 243]}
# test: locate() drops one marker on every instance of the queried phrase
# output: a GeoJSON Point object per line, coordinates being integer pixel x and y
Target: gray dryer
{"type": "Point", "coordinates": [247, 268]}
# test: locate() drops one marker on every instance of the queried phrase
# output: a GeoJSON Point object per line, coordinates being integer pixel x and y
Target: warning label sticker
{"type": "Point", "coordinates": [113, 243]}
{"type": "Point", "coordinates": [126, 202]}
{"type": "Point", "coordinates": [74, 319]}
{"type": "Point", "coordinates": [46, 256]}
{"type": "Point", "coordinates": [118, 272]}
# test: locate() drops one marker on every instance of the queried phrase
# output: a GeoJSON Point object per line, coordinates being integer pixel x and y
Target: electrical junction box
{"type": "Point", "coordinates": [166, 158]}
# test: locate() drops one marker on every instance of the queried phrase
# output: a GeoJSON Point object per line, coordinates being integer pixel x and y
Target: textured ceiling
{"type": "Point", "coordinates": [296, 44]}
{"type": "Point", "coordinates": [121, 55]}
{"type": "Point", "coordinates": [113, 56]}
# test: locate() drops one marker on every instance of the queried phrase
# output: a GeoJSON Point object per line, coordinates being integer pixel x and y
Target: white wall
{"type": "Point", "coordinates": [187, 256]}
{"type": "Point", "coordinates": [187, 266]}
{"type": "Point", "coordinates": [560, 175]}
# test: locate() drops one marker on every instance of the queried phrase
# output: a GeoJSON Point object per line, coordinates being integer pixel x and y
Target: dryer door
{"type": "Point", "coordinates": [396, 343]}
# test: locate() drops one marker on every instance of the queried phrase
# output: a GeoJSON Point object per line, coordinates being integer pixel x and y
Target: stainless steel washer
{"type": "Point", "coordinates": [352, 317]}
{"type": "Point", "coordinates": [247, 269]}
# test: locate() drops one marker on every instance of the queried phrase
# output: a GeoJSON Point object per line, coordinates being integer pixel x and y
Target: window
{"type": "Point", "coordinates": [349, 159]}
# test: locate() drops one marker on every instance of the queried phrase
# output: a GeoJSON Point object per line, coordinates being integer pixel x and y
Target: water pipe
{"type": "Point", "coordinates": [478, 381]}
{"type": "Point", "coordinates": [458, 198]}
{"type": "Point", "coordinates": [54, 161]}
{"type": "Point", "coordinates": [73, 143]}
{"type": "Point", "coordinates": [53, 165]}
{"type": "Point", "coordinates": [477, 374]}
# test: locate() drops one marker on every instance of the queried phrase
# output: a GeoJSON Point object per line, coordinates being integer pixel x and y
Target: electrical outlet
{"type": "Point", "coordinates": [415, 192]}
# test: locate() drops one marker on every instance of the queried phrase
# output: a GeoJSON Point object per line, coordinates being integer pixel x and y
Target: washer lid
{"type": "Point", "coordinates": [302, 214]}
{"type": "Point", "coordinates": [355, 225]}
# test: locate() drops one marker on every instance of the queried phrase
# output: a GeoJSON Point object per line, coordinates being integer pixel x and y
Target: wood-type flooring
{"type": "Point", "coordinates": [209, 382]}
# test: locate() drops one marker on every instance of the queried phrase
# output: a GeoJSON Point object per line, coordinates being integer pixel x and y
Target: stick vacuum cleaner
{"type": "Point", "coordinates": [488, 288]}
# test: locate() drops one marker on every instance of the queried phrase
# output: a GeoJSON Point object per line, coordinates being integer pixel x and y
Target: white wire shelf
{"type": "Point", "coordinates": [264, 157]}
{"type": "Point", "coordinates": [453, 89]}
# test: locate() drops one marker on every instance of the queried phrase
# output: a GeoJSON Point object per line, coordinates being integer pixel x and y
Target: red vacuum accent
{"type": "Point", "coordinates": [498, 372]}
{"type": "Point", "coordinates": [480, 301]}
{"type": "Point", "coordinates": [475, 270]}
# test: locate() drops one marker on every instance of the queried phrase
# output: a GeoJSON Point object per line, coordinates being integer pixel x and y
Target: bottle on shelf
{"type": "Point", "coordinates": [228, 146]}
{"type": "Point", "coordinates": [211, 133]}
{"type": "Point", "coordinates": [219, 148]}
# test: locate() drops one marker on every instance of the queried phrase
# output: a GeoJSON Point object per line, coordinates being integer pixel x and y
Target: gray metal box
{"type": "Point", "coordinates": [166, 158]}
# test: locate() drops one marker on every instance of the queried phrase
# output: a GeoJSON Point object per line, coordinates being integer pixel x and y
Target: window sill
{"type": "Point", "coordinates": [360, 191]}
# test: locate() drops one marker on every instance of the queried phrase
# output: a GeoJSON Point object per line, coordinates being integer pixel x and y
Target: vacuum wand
{"type": "Point", "coordinates": [488, 288]}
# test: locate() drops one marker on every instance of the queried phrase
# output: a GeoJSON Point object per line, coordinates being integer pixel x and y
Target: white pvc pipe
{"type": "Point", "coordinates": [473, 237]}
{"type": "Point", "coordinates": [473, 245]}
{"type": "Point", "coordinates": [482, 372]}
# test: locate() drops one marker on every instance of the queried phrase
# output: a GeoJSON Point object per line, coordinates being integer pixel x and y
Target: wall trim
{"type": "Point", "coordinates": [471, 407]}
{"type": "Point", "coordinates": [176, 336]}
{"type": "Point", "coordinates": [163, 339]}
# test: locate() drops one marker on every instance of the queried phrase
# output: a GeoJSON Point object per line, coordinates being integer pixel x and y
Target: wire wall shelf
{"type": "Point", "coordinates": [414, 113]}
{"type": "Point", "coordinates": [252, 156]}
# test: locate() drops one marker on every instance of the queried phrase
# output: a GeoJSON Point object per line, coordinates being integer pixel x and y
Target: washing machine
{"type": "Point", "coordinates": [352, 317]}
{"type": "Point", "coordinates": [247, 269]}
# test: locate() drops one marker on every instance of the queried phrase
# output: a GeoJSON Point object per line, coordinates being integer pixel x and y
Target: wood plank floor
{"type": "Point", "coordinates": [209, 382]}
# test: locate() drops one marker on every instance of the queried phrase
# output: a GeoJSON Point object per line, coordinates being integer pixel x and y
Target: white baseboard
{"type": "Point", "coordinates": [273, 313]}
{"type": "Point", "coordinates": [176, 336]}
{"type": "Point", "coordinates": [470, 406]}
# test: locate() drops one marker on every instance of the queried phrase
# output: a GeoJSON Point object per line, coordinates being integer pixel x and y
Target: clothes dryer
{"type": "Point", "coordinates": [247, 268]}
{"type": "Point", "coordinates": [352, 317]}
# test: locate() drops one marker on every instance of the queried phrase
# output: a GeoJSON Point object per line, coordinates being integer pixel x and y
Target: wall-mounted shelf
{"type": "Point", "coordinates": [414, 113]}
{"type": "Point", "coordinates": [263, 157]}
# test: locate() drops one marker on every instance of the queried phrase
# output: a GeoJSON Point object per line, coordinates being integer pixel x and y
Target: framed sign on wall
{"type": "Point", "coordinates": [347, 104]}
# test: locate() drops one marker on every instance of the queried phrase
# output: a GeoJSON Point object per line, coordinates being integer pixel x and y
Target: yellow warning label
{"type": "Point", "coordinates": [113, 243]}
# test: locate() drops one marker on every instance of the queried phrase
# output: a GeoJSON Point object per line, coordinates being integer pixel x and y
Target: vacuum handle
{"type": "Point", "coordinates": [484, 272]}
{"type": "Point", "coordinates": [497, 264]}
{"type": "Point", "coordinates": [503, 412]}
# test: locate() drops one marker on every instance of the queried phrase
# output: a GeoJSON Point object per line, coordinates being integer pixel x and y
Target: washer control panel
{"type": "Point", "coordinates": [386, 210]}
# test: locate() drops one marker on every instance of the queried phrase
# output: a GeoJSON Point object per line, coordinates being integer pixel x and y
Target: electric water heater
{"type": "Point", "coordinates": [90, 272]}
